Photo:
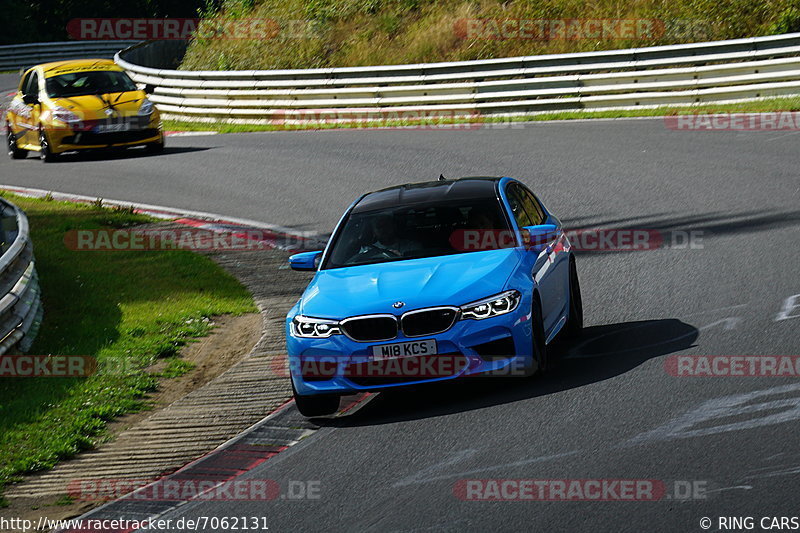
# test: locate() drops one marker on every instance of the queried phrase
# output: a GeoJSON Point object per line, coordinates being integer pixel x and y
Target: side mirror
{"type": "Point", "coordinates": [306, 261]}
{"type": "Point", "coordinates": [540, 235]}
{"type": "Point", "coordinates": [30, 99]}
{"type": "Point", "coordinates": [149, 88]}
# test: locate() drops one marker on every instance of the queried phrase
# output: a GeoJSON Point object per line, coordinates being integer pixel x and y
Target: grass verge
{"type": "Point", "coordinates": [128, 309]}
{"type": "Point", "coordinates": [332, 33]}
{"type": "Point", "coordinates": [759, 106]}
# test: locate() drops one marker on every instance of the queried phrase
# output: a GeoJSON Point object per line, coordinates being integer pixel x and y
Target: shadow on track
{"type": "Point", "coordinates": [602, 352]}
{"type": "Point", "coordinates": [670, 227]}
{"type": "Point", "coordinates": [117, 154]}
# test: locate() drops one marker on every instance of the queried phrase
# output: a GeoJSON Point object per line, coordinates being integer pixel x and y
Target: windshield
{"type": "Point", "coordinates": [89, 82]}
{"type": "Point", "coordinates": [416, 231]}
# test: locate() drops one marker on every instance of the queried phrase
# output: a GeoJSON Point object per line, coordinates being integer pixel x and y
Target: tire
{"type": "Point", "coordinates": [154, 148]}
{"type": "Point", "coordinates": [45, 154]}
{"type": "Point", "coordinates": [13, 151]}
{"type": "Point", "coordinates": [538, 337]}
{"type": "Point", "coordinates": [313, 406]}
{"type": "Point", "coordinates": [575, 319]}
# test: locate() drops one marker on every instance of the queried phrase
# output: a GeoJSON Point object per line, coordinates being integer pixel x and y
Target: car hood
{"type": "Point", "coordinates": [91, 107]}
{"type": "Point", "coordinates": [445, 280]}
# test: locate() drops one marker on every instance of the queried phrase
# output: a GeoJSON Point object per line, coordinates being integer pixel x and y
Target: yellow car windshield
{"type": "Point", "coordinates": [90, 82]}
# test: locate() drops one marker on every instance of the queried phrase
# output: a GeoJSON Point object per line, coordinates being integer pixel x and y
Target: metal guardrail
{"type": "Point", "coordinates": [17, 56]}
{"type": "Point", "coordinates": [20, 305]}
{"type": "Point", "coordinates": [720, 71]}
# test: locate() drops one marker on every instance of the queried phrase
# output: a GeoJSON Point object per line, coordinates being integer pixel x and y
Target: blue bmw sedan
{"type": "Point", "coordinates": [431, 281]}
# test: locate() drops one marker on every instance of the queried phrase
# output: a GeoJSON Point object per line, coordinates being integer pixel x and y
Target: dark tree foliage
{"type": "Point", "coordinates": [27, 21]}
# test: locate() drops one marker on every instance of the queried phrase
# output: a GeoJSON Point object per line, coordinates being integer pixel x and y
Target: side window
{"type": "Point", "coordinates": [33, 84]}
{"type": "Point", "coordinates": [533, 207]}
{"type": "Point", "coordinates": [23, 85]}
{"type": "Point", "coordinates": [516, 200]}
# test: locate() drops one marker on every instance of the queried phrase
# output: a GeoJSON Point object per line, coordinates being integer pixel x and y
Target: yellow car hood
{"type": "Point", "coordinates": [92, 107]}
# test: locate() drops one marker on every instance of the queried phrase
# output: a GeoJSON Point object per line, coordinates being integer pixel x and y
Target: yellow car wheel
{"type": "Point", "coordinates": [156, 147]}
{"type": "Point", "coordinates": [45, 154]}
{"type": "Point", "coordinates": [14, 152]}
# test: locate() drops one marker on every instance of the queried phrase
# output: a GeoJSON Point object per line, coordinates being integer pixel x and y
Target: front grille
{"type": "Point", "coordinates": [136, 122]}
{"type": "Point", "coordinates": [88, 138]}
{"type": "Point", "coordinates": [429, 321]}
{"type": "Point", "coordinates": [406, 369]}
{"type": "Point", "coordinates": [371, 328]}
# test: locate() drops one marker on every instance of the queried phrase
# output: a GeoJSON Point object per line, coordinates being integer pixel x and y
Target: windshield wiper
{"type": "Point", "coordinates": [99, 94]}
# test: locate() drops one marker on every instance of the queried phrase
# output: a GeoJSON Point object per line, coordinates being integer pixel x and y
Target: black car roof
{"type": "Point", "coordinates": [429, 191]}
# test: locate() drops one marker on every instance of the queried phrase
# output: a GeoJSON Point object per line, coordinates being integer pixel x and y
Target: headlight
{"type": "Point", "coordinates": [64, 115]}
{"type": "Point", "coordinates": [499, 304]}
{"type": "Point", "coordinates": [146, 108]}
{"type": "Point", "coordinates": [314, 328]}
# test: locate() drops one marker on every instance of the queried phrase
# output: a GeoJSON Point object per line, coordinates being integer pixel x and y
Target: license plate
{"type": "Point", "coordinates": [108, 128]}
{"type": "Point", "coordinates": [404, 349]}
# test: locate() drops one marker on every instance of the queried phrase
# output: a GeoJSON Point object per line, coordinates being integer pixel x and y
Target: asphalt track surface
{"type": "Point", "coordinates": [610, 410]}
{"type": "Point", "coordinates": [8, 82]}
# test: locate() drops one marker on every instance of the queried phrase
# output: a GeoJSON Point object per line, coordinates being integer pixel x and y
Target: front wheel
{"type": "Point", "coordinates": [155, 148]}
{"type": "Point", "coordinates": [45, 152]}
{"type": "Point", "coordinates": [14, 152]}
{"type": "Point", "coordinates": [538, 337]}
{"type": "Point", "coordinates": [312, 406]}
{"type": "Point", "coordinates": [575, 319]}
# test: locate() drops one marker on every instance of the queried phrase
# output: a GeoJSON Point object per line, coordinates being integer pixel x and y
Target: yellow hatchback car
{"type": "Point", "coordinates": [80, 105]}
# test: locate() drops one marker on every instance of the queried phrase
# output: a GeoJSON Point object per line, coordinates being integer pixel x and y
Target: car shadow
{"type": "Point", "coordinates": [124, 153]}
{"type": "Point", "coordinates": [601, 352]}
{"type": "Point", "coordinates": [673, 229]}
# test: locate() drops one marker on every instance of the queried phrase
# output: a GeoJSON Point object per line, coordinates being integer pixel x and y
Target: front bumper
{"type": "Point", "coordinates": [85, 140]}
{"type": "Point", "coordinates": [142, 131]}
{"type": "Point", "coordinates": [500, 345]}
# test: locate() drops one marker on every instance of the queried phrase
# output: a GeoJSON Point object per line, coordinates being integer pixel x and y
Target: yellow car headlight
{"type": "Point", "coordinates": [146, 108]}
{"type": "Point", "coordinates": [64, 115]}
